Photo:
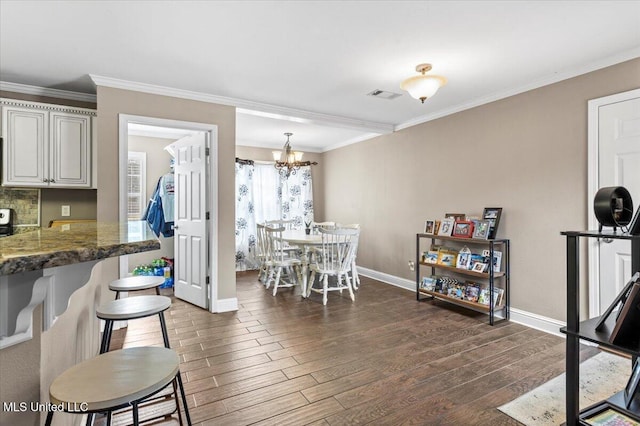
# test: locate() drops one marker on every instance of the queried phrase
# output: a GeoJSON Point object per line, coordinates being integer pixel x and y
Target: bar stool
{"type": "Point", "coordinates": [117, 380]}
{"type": "Point", "coordinates": [136, 282]}
{"type": "Point", "coordinates": [132, 308]}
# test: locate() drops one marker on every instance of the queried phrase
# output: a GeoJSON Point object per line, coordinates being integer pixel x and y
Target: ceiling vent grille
{"type": "Point", "coordinates": [382, 94]}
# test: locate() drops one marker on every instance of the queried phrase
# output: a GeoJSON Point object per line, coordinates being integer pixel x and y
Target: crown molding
{"type": "Point", "coordinates": [252, 144]}
{"type": "Point", "coordinates": [43, 91]}
{"type": "Point", "coordinates": [556, 77]}
{"type": "Point", "coordinates": [247, 107]}
{"type": "Point", "coordinates": [351, 141]}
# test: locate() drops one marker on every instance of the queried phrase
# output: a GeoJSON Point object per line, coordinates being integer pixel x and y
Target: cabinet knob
{"type": "Point", "coordinates": [45, 180]}
{"type": "Point", "coordinates": [52, 180]}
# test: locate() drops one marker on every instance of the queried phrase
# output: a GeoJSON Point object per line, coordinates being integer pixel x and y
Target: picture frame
{"type": "Point", "coordinates": [606, 414]}
{"type": "Point", "coordinates": [479, 267]}
{"type": "Point", "coordinates": [462, 229]}
{"type": "Point", "coordinates": [492, 214]}
{"type": "Point", "coordinates": [481, 229]}
{"type": "Point", "coordinates": [430, 227]}
{"type": "Point", "coordinates": [628, 322]}
{"type": "Point", "coordinates": [446, 227]}
{"type": "Point", "coordinates": [633, 385]}
{"type": "Point", "coordinates": [455, 216]}
{"type": "Point", "coordinates": [464, 258]}
{"type": "Point", "coordinates": [497, 259]}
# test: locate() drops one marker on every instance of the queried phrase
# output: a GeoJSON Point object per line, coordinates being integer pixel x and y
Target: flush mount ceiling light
{"type": "Point", "coordinates": [292, 159]}
{"type": "Point", "coordinates": [423, 86]}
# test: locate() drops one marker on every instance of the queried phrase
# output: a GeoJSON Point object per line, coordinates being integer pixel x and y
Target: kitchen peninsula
{"type": "Point", "coordinates": [59, 268]}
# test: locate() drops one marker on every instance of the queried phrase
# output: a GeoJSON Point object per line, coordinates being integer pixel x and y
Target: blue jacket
{"type": "Point", "coordinates": [154, 215]}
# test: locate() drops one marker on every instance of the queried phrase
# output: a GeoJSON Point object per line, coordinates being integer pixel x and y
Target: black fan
{"type": "Point", "coordinates": [613, 207]}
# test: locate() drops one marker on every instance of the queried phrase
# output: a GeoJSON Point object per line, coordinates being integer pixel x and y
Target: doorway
{"type": "Point", "coordinates": [207, 283]}
{"type": "Point", "coordinates": [614, 156]}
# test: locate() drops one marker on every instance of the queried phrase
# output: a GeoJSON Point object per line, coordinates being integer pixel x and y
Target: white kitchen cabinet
{"type": "Point", "coordinates": [46, 145]}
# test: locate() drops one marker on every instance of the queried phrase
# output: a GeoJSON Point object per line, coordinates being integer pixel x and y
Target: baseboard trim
{"type": "Point", "coordinates": [225, 305]}
{"type": "Point", "coordinates": [387, 278]}
{"type": "Point", "coordinates": [519, 316]}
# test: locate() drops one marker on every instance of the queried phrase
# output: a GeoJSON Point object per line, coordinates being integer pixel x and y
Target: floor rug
{"type": "Point", "coordinates": [601, 376]}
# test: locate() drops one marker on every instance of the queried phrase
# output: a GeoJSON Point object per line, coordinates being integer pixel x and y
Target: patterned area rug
{"type": "Point", "coordinates": [601, 376]}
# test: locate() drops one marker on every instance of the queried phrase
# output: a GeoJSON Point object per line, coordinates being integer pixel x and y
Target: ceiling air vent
{"type": "Point", "coordinates": [382, 94]}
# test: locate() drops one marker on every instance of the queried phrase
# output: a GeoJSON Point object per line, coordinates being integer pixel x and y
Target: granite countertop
{"type": "Point", "coordinates": [73, 243]}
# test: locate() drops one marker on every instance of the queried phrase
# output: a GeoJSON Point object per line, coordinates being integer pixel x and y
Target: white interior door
{"type": "Point", "coordinates": [190, 224]}
{"type": "Point", "coordinates": [618, 165]}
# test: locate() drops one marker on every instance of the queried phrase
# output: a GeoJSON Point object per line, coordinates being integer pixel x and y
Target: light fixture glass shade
{"type": "Point", "coordinates": [423, 86]}
{"type": "Point", "coordinates": [298, 155]}
{"type": "Point", "coordinates": [276, 155]}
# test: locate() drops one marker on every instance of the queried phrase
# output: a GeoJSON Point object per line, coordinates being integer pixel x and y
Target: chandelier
{"type": "Point", "coordinates": [423, 86]}
{"type": "Point", "coordinates": [292, 159]}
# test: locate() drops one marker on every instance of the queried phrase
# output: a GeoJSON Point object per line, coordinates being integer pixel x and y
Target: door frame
{"type": "Point", "coordinates": [592, 187]}
{"type": "Point", "coordinates": [211, 189]}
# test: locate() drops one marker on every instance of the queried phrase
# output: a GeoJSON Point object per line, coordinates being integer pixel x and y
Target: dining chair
{"type": "Point", "coordinates": [289, 250]}
{"type": "Point", "coordinates": [278, 263]}
{"type": "Point", "coordinates": [334, 258]}
{"type": "Point", "coordinates": [354, 270]}
{"type": "Point", "coordinates": [325, 225]}
{"type": "Point", "coordinates": [261, 246]}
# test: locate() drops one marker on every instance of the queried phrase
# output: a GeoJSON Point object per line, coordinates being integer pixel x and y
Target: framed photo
{"type": "Point", "coordinates": [607, 414]}
{"type": "Point", "coordinates": [455, 216]}
{"type": "Point", "coordinates": [497, 259]}
{"type": "Point", "coordinates": [464, 258]}
{"type": "Point", "coordinates": [628, 322]}
{"type": "Point", "coordinates": [430, 227]}
{"type": "Point", "coordinates": [463, 229]}
{"type": "Point", "coordinates": [481, 229]}
{"type": "Point", "coordinates": [446, 227]}
{"type": "Point", "coordinates": [479, 267]}
{"type": "Point", "coordinates": [492, 214]}
{"type": "Point", "coordinates": [631, 389]}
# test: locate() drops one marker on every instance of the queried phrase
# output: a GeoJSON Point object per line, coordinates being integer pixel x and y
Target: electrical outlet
{"type": "Point", "coordinates": [412, 265]}
{"type": "Point", "coordinates": [66, 211]}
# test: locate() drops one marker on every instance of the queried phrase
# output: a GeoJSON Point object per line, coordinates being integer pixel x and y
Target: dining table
{"type": "Point", "coordinates": [299, 237]}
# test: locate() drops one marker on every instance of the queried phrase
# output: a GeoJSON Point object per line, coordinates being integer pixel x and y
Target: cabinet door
{"type": "Point", "coordinates": [25, 147]}
{"type": "Point", "coordinates": [70, 150]}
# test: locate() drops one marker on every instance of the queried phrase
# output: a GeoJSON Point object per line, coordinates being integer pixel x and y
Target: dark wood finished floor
{"type": "Point", "coordinates": [384, 360]}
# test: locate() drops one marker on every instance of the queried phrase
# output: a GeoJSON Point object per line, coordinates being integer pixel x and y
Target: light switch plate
{"type": "Point", "coordinates": [66, 211]}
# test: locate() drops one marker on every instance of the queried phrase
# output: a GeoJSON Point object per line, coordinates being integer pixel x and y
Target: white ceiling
{"type": "Point", "coordinates": [309, 64]}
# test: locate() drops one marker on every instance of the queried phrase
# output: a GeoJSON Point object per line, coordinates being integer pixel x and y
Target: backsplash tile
{"type": "Point", "coordinates": [25, 203]}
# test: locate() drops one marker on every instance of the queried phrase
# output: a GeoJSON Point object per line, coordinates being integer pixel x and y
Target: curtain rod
{"type": "Point", "coordinates": [245, 162]}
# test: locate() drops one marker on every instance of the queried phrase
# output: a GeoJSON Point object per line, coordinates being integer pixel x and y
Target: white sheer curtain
{"type": "Point", "coordinates": [263, 194]}
{"type": "Point", "coordinates": [245, 219]}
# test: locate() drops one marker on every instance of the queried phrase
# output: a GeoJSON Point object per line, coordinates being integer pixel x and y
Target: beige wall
{"type": "Point", "coordinates": [111, 103]}
{"type": "Point", "coordinates": [82, 204]}
{"type": "Point", "coordinates": [317, 173]}
{"type": "Point", "coordinates": [526, 153]}
{"type": "Point", "coordinates": [158, 160]}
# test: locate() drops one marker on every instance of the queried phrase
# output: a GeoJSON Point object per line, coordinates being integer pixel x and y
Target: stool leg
{"type": "Point", "coordinates": [89, 419]}
{"type": "Point", "coordinates": [163, 326]}
{"type": "Point", "coordinates": [136, 421]}
{"type": "Point", "coordinates": [175, 395]}
{"type": "Point", "coordinates": [49, 418]}
{"type": "Point", "coordinates": [184, 399]}
{"type": "Point", "coordinates": [106, 336]}
{"type": "Point", "coordinates": [158, 290]}
{"type": "Point", "coordinates": [109, 414]}
{"type": "Point", "coordinates": [117, 295]}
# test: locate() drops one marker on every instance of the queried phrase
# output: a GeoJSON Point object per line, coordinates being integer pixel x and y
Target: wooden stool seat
{"type": "Point", "coordinates": [132, 308]}
{"type": "Point", "coordinates": [115, 380]}
{"type": "Point", "coordinates": [137, 282]}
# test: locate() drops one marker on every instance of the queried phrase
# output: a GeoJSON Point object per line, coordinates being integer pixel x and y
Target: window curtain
{"type": "Point", "coordinates": [245, 219]}
{"type": "Point", "coordinates": [263, 194]}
